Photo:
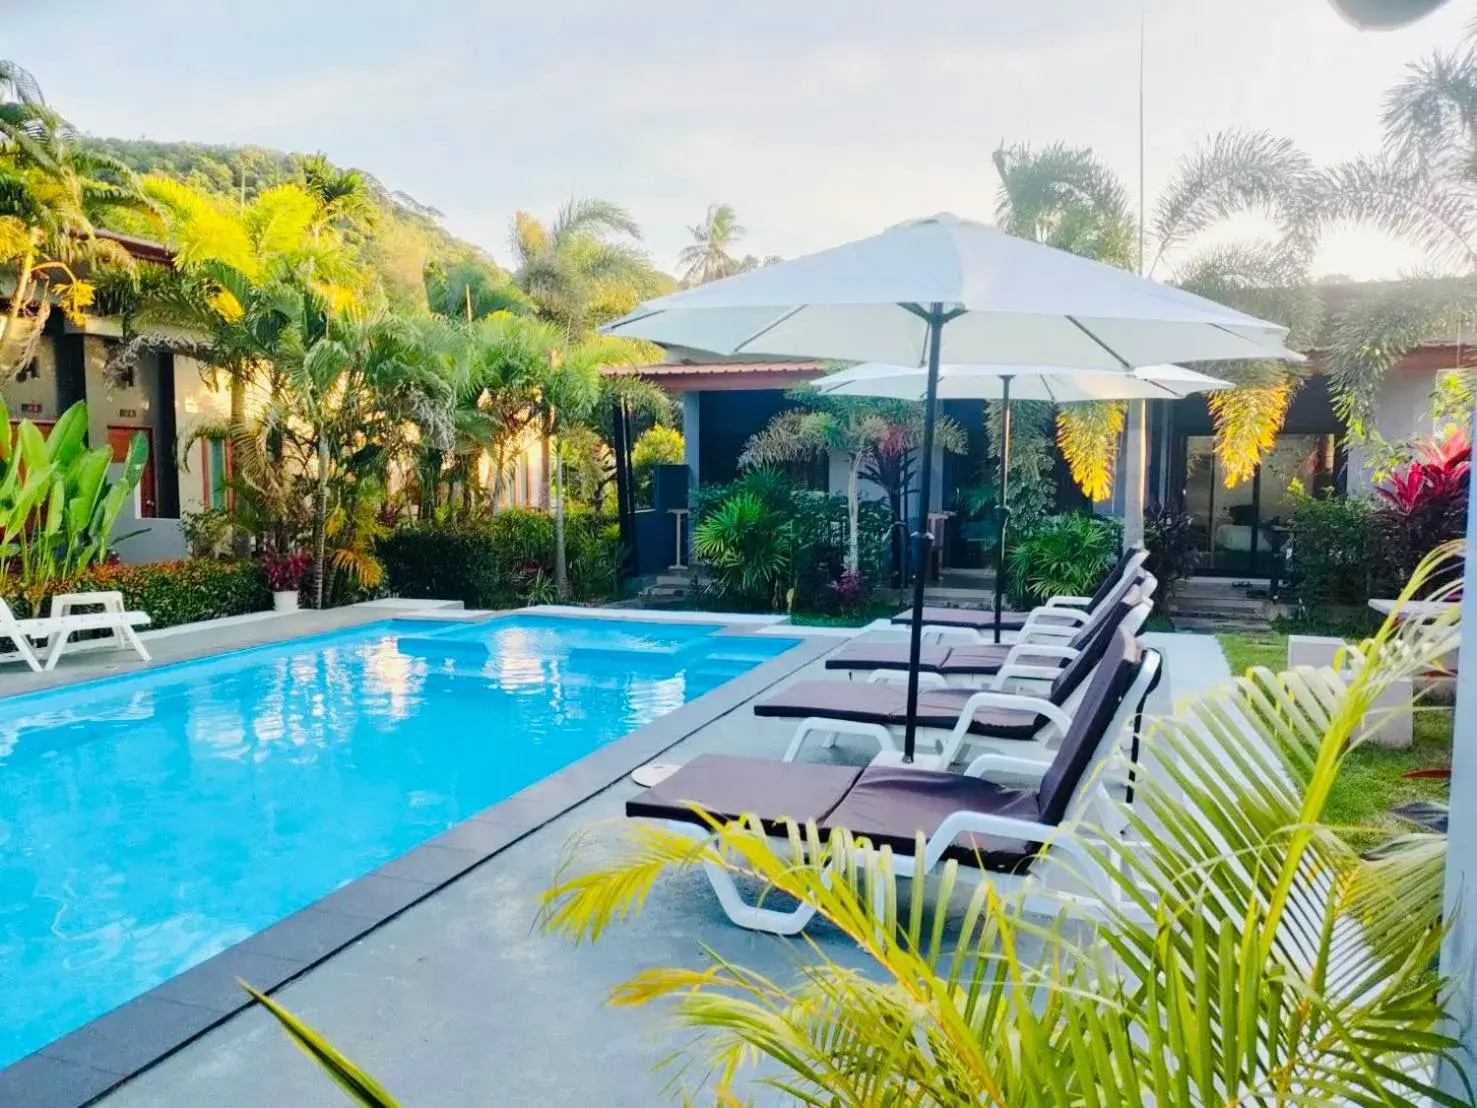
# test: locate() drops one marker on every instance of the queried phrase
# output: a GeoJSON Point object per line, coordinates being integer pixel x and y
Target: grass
{"type": "Point", "coordinates": [1371, 781]}
{"type": "Point", "coordinates": [879, 610]}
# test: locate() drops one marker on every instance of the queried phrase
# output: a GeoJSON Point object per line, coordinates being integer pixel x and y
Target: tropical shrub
{"type": "Point", "coordinates": [1337, 561]}
{"type": "Point", "coordinates": [1169, 535]}
{"type": "Point", "coordinates": [819, 528]}
{"type": "Point", "coordinates": [1063, 555]}
{"type": "Point", "coordinates": [502, 561]}
{"type": "Point", "coordinates": [1424, 503]}
{"type": "Point", "coordinates": [660, 445]}
{"type": "Point", "coordinates": [57, 504]}
{"type": "Point", "coordinates": [747, 546]}
{"type": "Point", "coordinates": [286, 572]}
{"type": "Point", "coordinates": [206, 532]}
{"type": "Point", "coordinates": [171, 593]}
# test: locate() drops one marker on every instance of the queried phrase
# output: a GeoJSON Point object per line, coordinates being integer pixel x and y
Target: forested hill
{"type": "Point", "coordinates": [405, 238]}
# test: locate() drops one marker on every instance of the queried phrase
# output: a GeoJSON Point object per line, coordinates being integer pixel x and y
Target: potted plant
{"type": "Point", "coordinates": [285, 573]}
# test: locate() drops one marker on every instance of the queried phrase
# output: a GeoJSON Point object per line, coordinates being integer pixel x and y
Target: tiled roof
{"type": "Point", "coordinates": [682, 369]}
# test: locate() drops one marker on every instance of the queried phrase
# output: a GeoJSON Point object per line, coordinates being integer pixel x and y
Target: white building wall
{"type": "Point", "coordinates": [1403, 411]}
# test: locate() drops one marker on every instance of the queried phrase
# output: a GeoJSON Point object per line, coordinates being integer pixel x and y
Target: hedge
{"type": "Point", "coordinates": [171, 593]}
{"type": "Point", "coordinates": [504, 561]}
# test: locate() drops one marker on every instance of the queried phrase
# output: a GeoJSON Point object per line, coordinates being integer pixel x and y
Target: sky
{"type": "Point", "coordinates": [820, 121]}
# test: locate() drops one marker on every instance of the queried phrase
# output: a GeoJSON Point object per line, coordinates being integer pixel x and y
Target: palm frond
{"type": "Point", "coordinates": [1231, 173]}
{"type": "Point", "coordinates": [1408, 202]}
{"type": "Point", "coordinates": [1088, 435]}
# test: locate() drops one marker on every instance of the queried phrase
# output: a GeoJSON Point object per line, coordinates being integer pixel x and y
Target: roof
{"type": "Point", "coordinates": [145, 250]}
{"type": "Point", "coordinates": [704, 375]}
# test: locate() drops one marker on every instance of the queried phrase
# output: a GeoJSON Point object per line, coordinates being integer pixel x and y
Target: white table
{"type": "Point", "coordinates": [1416, 609]}
{"type": "Point", "coordinates": [73, 603]}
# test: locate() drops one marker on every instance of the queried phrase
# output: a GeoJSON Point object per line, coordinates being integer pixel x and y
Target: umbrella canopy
{"type": "Point", "coordinates": [949, 290]}
{"type": "Point", "coordinates": [1005, 301]}
{"type": "Point", "coordinates": [1052, 383]}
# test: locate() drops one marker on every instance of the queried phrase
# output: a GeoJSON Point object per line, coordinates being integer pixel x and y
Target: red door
{"type": "Point", "coordinates": [119, 439]}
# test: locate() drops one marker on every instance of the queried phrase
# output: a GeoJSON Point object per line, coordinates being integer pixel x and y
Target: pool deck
{"type": "Point", "coordinates": [451, 995]}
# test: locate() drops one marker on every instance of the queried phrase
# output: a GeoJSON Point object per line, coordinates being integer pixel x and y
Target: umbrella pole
{"type": "Point", "coordinates": [1002, 507]}
{"type": "Point", "coordinates": [921, 536]}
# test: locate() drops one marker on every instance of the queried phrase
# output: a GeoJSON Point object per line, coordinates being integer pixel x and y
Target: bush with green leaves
{"type": "Point", "coordinates": [746, 545]}
{"type": "Point", "coordinates": [501, 561]}
{"type": "Point", "coordinates": [817, 526]}
{"type": "Point", "coordinates": [58, 506]}
{"type": "Point", "coordinates": [1063, 555]}
{"type": "Point", "coordinates": [1169, 535]}
{"type": "Point", "coordinates": [1336, 562]}
{"type": "Point", "coordinates": [171, 593]}
{"type": "Point", "coordinates": [659, 445]}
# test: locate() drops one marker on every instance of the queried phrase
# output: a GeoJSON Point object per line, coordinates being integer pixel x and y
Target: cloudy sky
{"type": "Point", "coordinates": [819, 120]}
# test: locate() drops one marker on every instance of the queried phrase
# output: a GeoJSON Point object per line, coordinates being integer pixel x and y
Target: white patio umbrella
{"type": "Point", "coordinates": [1013, 382]}
{"type": "Point", "coordinates": [949, 290]}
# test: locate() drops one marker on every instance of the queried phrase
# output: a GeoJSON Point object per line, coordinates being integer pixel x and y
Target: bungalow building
{"type": "Point", "coordinates": [726, 400]}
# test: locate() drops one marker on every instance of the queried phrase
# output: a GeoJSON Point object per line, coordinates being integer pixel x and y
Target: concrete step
{"type": "Point", "coordinates": [1217, 624]}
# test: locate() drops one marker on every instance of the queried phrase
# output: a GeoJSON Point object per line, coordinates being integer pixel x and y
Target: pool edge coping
{"type": "Point", "coordinates": [86, 1064]}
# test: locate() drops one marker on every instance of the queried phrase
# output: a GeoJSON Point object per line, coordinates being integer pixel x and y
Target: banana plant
{"type": "Point", "coordinates": [57, 505]}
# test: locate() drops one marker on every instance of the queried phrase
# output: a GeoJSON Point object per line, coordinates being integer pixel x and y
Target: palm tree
{"type": "Point", "coordinates": [877, 438]}
{"type": "Point", "coordinates": [471, 287]}
{"type": "Point", "coordinates": [586, 267]}
{"type": "Point", "coordinates": [708, 258]}
{"type": "Point", "coordinates": [54, 196]}
{"type": "Point", "coordinates": [1067, 197]}
{"type": "Point", "coordinates": [1421, 188]}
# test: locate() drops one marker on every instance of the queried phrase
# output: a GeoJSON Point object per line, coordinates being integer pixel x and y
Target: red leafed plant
{"type": "Point", "coordinates": [1424, 503]}
{"type": "Point", "coordinates": [286, 572]}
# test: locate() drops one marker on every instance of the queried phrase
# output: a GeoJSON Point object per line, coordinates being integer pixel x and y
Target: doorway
{"type": "Point", "coordinates": [1240, 531]}
{"type": "Point", "coordinates": [120, 438]}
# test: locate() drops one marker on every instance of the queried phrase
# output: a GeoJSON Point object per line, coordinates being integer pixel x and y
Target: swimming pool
{"type": "Point", "coordinates": [149, 821]}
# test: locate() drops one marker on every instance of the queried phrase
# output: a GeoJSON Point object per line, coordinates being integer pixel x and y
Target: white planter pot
{"type": "Point", "coordinates": [285, 601]}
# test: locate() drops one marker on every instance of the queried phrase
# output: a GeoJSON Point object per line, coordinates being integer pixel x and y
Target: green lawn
{"type": "Point", "coordinates": [1370, 783]}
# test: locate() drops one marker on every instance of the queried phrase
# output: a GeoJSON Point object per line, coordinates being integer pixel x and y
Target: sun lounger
{"type": "Point", "coordinates": [1054, 645]}
{"type": "Point", "coordinates": [1007, 834]}
{"type": "Point", "coordinates": [55, 631]}
{"type": "Point", "coordinates": [948, 718]}
{"type": "Point", "coordinates": [1059, 610]}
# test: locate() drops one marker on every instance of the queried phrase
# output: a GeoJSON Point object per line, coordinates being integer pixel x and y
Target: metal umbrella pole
{"type": "Point", "coordinates": [1002, 508]}
{"type": "Point", "coordinates": [921, 536]}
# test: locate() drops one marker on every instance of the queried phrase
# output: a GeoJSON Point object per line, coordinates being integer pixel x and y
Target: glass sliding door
{"type": "Point", "coordinates": [1240, 530]}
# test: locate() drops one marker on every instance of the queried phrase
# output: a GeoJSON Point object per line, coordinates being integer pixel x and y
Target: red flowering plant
{"type": "Point", "coordinates": [286, 572]}
{"type": "Point", "coordinates": [1424, 503]}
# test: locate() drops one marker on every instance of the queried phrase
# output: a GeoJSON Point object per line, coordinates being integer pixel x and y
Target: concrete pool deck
{"type": "Point", "coordinates": [461, 1000]}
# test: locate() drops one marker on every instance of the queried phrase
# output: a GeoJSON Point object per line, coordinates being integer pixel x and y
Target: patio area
{"type": "Point", "coordinates": [461, 1000]}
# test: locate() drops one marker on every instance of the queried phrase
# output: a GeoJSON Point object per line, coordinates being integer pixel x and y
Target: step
{"type": "Point", "coordinates": [1216, 625]}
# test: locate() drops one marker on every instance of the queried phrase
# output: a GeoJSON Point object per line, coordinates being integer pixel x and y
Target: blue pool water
{"type": "Point", "coordinates": [149, 821]}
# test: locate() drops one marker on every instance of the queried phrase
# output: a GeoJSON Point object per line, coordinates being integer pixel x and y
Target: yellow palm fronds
{"type": "Point", "coordinates": [1247, 420]}
{"type": "Point", "coordinates": [1088, 435]}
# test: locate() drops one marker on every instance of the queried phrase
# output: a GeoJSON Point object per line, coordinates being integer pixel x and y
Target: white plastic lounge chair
{"type": "Point", "coordinates": [1067, 612]}
{"type": "Point", "coordinates": [1009, 836]}
{"type": "Point", "coordinates": [56, 630]}
{"type": "Point", "coordinates": [1025, 726]}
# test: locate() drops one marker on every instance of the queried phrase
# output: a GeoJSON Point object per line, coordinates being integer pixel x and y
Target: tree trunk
{"type": "Point", "coordinates": [545, 433]}
{"type": "Point", "coordinates": [240, 540]}
{"type": "Point", "coordinates": [320, 520]}
{"type": "Point", "coordinates": [561, 568]}
{"type": "Point", "coordinates": [853, 511]}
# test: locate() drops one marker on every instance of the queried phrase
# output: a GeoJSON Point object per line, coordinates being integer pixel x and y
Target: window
{"type": "Point", "coordinates": [217, 471]}
{"type": "Point", "coordinates": [32, 372]}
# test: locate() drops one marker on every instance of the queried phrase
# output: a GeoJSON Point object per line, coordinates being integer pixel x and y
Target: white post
{"type": "Point", "coordinates": [1134, 471]}
{"type": "Point", "coordinates": [1459, 951]}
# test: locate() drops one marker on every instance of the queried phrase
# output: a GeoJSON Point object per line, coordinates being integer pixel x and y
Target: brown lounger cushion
{"type": "Point", "coordinates": [889, 805]}
{"type": "Point", "coordinates": [978, 659]}
{"type": "Point", "coordinates": [853, 701]}
{"type": "Point", "coordinates": [727, 787]}
{"type": "Point", "coordinates": [858, 702]}
{"type": "Point", "coordinates": [975, 618]}
{"type": "Point", "coordinates": [861, 654]}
